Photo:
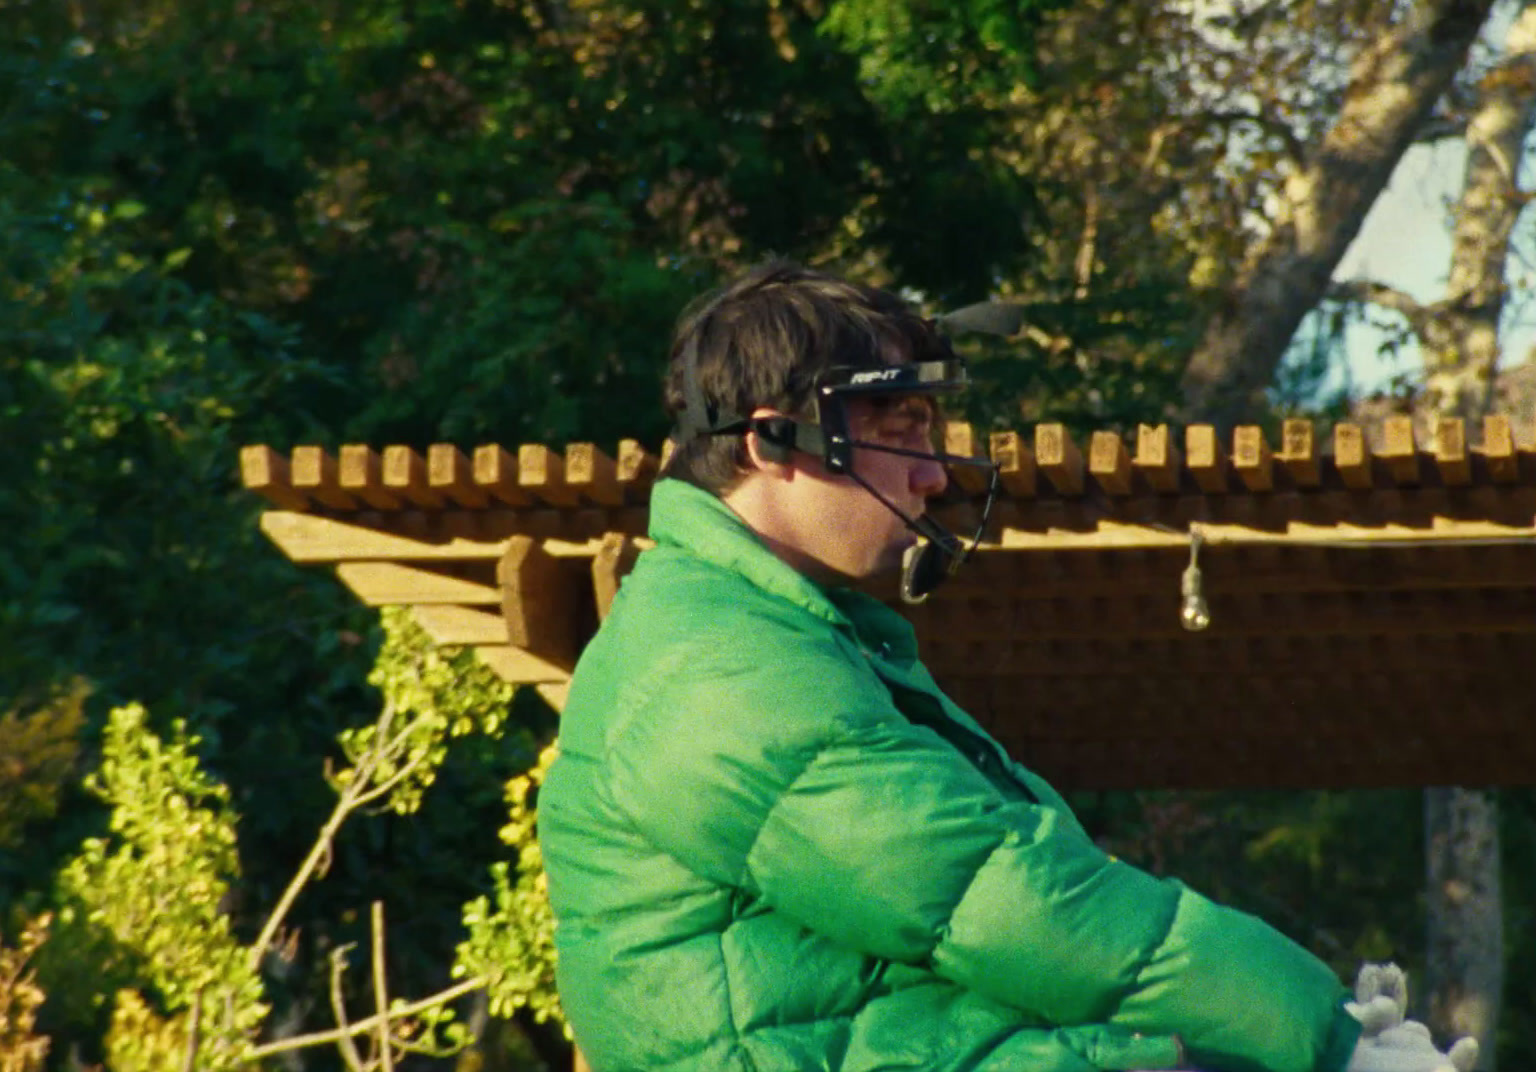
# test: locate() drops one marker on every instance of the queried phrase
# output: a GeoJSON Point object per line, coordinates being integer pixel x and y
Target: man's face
{"type": "Point", "coordinates": [848, 530]}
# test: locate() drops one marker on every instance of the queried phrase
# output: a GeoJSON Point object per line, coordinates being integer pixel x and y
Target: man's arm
{"type": "Point", "coordinates": [881, 836]}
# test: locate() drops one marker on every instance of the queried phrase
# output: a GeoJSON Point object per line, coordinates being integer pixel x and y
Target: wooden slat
{"type": "Point", "coordinates": [635, 469]}
{"type": "Point", "coordinates": [385, 584]}
{"type": "Point", "coordinates": [1237, 570]}
{"type": "Point", "coordinates": [1266, 614]}
{"type": "Point", "coordinates": [519, 667]}
{"type": "Point", "coordinates": [359, 472]}
{"type": "Point", "coordinates": [1015, 463]}
{"type": "Point", "coordinates": [1298, 452]}
{"type": "Point", "coordinates": [1499, 450]}
{"type": "Point", "coordinates": [265, 471]}
{"type": "Point", "coordinates": [495, 473]}
{"type": "Point", "coordinates": [541, 473]}
{"type": "Point", "coordinates": [1416, 516]}
{"type": "Point", "coordinates": [1399, 451]}
{"type": "Point", "coordinates": [405, 474]}
{"type": "Point", "coordinates": [1352, 456]}
{"type": "Point", "coordinates": [1059, 458]}
{"type": "Point", "coordinates": [539, 601]}
{"type": "Point", "coordinates": [449, 537]}
{"type": "Point", "coordinates": [960, 440]}
{"type": "Point", "coordinates": [1157, 458]}
{"type": "Point", "coordinates": [1451, 456]}
{"type": "Point", "coordinates": [1109, 463]}
{"type": "Point", "coordinates": [455, 625]}
{"type": "Point", "coordinates": [451, 474]}
{"type": "Point", "coordinates": [554, 694]}
{"type": "Point", "coordinates": [592, 474]}
{"type": "Point", "coordinates": [614, 559]}
{"type": "Point", "coordinates": [1205, 458]}
{"type": "Point", "coordinates": [1251, 458]}
{"type": "Point", "coordinates": [313, 473]}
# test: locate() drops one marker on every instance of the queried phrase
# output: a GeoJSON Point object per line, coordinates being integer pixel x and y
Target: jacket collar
{"type": "Point", "coordinates": [696, 521]}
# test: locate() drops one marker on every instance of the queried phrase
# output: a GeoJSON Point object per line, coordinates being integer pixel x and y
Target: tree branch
{"type": "Point", "coordinates": [1393, 88]}
{"type": "Point", "coordinates": [381, 987]}
{"type": "Point", "coordinates": [1370, 292]}
{"type": "Point", "coordinates": [346, 803]}
{"type": "Point", "coordinates": [363, 1027]}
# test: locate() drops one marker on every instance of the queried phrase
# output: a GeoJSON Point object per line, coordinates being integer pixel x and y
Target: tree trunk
{"type": "Point", "coordinates": [1393, 87]}
{"type": "Point", "coordinates": [1461, 345]}
{"type": "Point", "coordinates": [1466, 912]}
{"type": "Point", "coordinates": [1461, 356]}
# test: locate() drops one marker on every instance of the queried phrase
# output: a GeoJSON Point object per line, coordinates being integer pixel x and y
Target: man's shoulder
{"type": "Point", "coordinates": [686, 642]}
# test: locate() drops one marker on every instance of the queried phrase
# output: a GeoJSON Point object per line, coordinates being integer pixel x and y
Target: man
{"type": "Point", "coordinates": [773, 843]}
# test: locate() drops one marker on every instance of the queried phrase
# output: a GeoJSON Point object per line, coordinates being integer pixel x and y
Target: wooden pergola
{"type": "Point", "coordinates": [1372, 604]}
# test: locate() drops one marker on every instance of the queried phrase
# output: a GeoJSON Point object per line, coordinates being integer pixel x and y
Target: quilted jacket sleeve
{"type": "Point", "coordinates": [794, 780]}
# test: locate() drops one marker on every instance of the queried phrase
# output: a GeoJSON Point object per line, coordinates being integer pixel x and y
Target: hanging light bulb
{"type": "Point", "coordinates": [1195, 613]}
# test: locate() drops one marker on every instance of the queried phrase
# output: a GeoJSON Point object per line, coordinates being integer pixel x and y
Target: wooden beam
{"type": "Point", "coordinates": [635, 469]}
{"type": "Point", "coordinates": [1015, 463]}
{"type": "Point", "coordinates": [313, 472]}
{"type": "Point", "coordinates": [447, 537]}
{"type": "Point", "coordinates": [554, 694]}
{"type": "Point", "coordinates": [405, 474]}
{"type": "Point", "coordinates": [1205, 458]}
{"type": "Point", "coordinates": [452, 475]}
{"type": "Point", "coordinates": [593, 475]}
{"type": "Point", "coordinates": [1451, 456]}
{"type": "Point", "coordinates": [1157, 459]}
{"type": "Point", "coordinates": [495, 473]}
{"type": "Point", "coordinates": [1399, 451]}
{"type": "Point", "coordinates": [450, 625]}
{"type": "Point", "coordinates": [265, 471]}
{"type": "Point", "coordinates": [1251, 458]}
{"type": "Point", "coordinates": [960, 440]}
{"type": "Point", "coordinates": [1109, 463]}
{"type": "Point", "coordinates": [615, 557]}
{"type": "Point", "coordinates": [541, 473]}
{"type": "Point", "coordinates": [1272, 613]}
{"type": "Point", "coordinates": [1499, 450]}
{"type": "Point", "coordinates": [519, 667]}
{"type": "Point", "coordinates": [1059, 458]}
{"type": "Point", "coordinates": [388, 584]}
{"type": "Point", "coordinates": [1298, 452]}
{"type": "Point", "coordinates": [359, 472]}
{"type": "Point", "coordinates": [1238, 568]}
{"type": "Point", "coordinates": [539, 601]}
{"type": "Point", "coordinates": [1352, 456]}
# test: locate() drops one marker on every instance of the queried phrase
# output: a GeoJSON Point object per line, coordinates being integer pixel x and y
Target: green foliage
{"type": "Point", "coordinates": [438, 694]}
{"type": "Point", "coordinates": [21, 1049]}
{"type": "Point", "coordinates": [40, 749]}
{"type": "Point", "coordinates": [511, 941]}
{"type": "Point", "coordinates": [157, 886]}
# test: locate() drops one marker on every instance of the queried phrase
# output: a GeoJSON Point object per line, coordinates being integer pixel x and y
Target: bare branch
{"type": "Point", "coordinates": [320, 851]}
{"type": "Point", "coordinates": [364, 1027]}
{"type": "Point", "coordinates": [381, 988]}
{"type": "Point", "coordinates": [194, 1033]}
{"type": "Point", "coordinates": [349, 1054]}
{"type": "Point", "coordinates": [1370, 292]}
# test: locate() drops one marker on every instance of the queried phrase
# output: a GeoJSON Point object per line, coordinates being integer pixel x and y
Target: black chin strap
{"type": "Point", "coordinates": [927, 565]}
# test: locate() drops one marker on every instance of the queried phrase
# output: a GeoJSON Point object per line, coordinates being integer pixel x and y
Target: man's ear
{"type": "Point", "coordinates": [770, 442]}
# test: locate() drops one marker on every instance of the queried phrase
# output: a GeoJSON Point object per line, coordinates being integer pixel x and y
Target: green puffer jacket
{"type": "Point", "coordinates": [772, 843]}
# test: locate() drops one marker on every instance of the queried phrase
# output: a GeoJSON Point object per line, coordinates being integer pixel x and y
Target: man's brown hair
{"type": "Point", "coordinates": [764, 339]}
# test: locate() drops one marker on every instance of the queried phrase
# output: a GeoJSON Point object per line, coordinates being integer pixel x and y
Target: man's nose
{"type": "Point", "coordinates": [929, 478]}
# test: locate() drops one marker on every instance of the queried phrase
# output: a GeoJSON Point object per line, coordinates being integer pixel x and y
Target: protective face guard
{"type": "Point", "coordinates": [929, 564]}
{"type": "Point", "coordinates": [926, 565]}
